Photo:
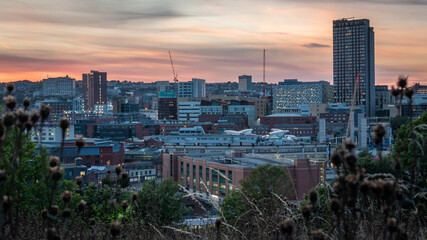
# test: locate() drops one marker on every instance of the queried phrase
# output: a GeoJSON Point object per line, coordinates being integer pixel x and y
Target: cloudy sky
{"type": "Point", "coordinates": [216, 40]}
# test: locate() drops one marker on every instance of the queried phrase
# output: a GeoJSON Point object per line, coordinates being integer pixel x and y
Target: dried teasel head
{"type": "Point", "coordinates": [64, 124]}
{"type": "Point", "coordinates": [81, 205]}
{"type": "Point", "coordinates": [10, 102]}
{"type": "Point", "coordinates": [9, 88]}
{"type": "Point", "coordinates": [44, 112]}
{"type": "Point", "coordinates": [125, 175]}
{"type": "Point", "coordinates": [66, 213]}
{"type": "Point", "coordinates": [124, 205]}
{"type": "Point", "coordinates": [79, 180]}
{"type": "Point", "coordinates": [379, 133]}
{"type": "Point", "coordinates": [35, 117]}
{"type": "Point", "coordinates": [56, 173]}
{"type": "Point", "coordinates": [395, 92]}
{"type": "Point", "coordinates": [336, 159]}
{"type": "Point", "coordinates": [402, 81]}
{"type": "Point", "coordinates": [286, 227]}
{"type": "Point", "coordinates": [115, 228]}
{"type": "Point", "coordinates": [26, 103]}
{"type": "Point", "coordinates": [66, 196]}
{"type": "Point", "coordinates": [134, 197]}
{"type": "Point", "coordinates": [392, 224]}
{"type": "Point", "coordinates": [53, 210]}
{"type": "Point", "coordinates": [54, 161]}
{"type": "Point", "coordinates": [409, 92]}
{"type": "Point", "coordinates": [313, 197]}
{"type": "Point", "coordinates": [80, 142]}
{"type": "Point", "coordinates": [349, 145]}
{"type": "Point", "coordinates": [306, 211]}
{"type": "Point", "coordinates": [9, 119]}
{"type": "Point", "coordinates": [118, 170]}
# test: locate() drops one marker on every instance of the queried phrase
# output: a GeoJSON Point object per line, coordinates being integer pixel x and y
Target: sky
{"type": "Point", "coordinates": [216, 40]}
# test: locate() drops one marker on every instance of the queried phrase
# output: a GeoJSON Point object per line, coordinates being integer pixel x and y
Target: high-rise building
{"type": "Point", "coordinates": [167, 105]}
{"type": "Point", "coordinates": [94, 89]}
{"type": "Point", "coordinates": [195, 88]}
{"type": "Point", "coordinates": [60, 86]}
{"type": "Point", "coordinates": [291, 93]}
{"type": "Point", "coordinates": [353, 52]}
{"type": "Point", "coordinates": [245, 83]}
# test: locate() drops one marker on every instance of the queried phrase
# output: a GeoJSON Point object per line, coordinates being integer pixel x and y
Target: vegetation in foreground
{"type": "Point", "coordinates": [370, 199]}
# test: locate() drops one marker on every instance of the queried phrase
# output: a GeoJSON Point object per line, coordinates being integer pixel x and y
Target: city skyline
{"type": "Point", "coordinates": [213, 41]}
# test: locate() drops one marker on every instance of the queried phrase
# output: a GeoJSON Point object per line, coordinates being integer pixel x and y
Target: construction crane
{"type": "Point", "coordinates": [263, 76]}
{"type": "Point", "coordinates": [175, 75]}
{"type": "Point", "coordinates": [352, 107]}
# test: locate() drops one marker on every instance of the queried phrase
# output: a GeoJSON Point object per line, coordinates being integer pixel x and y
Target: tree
{"type": "Point", "coordinates": [260, 191]}
{"type": "Point", "coordinates": [405, 149]}
{"type": "Point", "coordinates": [160, 204]}
{"type": "Point", "coordinates": [265, 180]}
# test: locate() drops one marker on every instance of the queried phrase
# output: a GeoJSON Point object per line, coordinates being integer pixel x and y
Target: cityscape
{"type": "Point", "coordinates": [215, 145]}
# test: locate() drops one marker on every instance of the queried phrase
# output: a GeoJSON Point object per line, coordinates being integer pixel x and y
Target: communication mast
{"type": "Point", "coordinates": [263, 76]}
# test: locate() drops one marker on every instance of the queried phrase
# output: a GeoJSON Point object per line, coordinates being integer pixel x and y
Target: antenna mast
{"type": "Point", "coordinates": [263, 76]}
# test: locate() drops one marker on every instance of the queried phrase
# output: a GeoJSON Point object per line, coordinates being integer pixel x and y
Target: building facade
{"type": "Point", "coordinates": [292, 93]}
{"type": "Point", "coordinates": [94, 89]}
{"type": "Point", "coordinates": [167, 106]}
{"type": "Point", "coordinates": [60, 86]}
{"type": "Point", "coordinates": [353, 51]}
{"type": "Point", "coordinates": [195, 88]}
{"type": "Point", "coordinates": [245, 83]}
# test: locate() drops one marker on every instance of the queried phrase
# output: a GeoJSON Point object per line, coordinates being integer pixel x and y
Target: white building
{"type": "Point", "coordinates": [189, 111]}
{"type": "Point", "coordinates": [195, 88]}
{"type": "Point", "coordinates": [52, 133]}
{"type": "Point", "coordinates": [245, 83]}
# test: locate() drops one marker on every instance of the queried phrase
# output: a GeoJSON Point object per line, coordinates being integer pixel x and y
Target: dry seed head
{"type": "Point", "coordinates": [79, 180]}
{"type": "Point", "coordinates": [306, 211]}
{"type": "Point", "coordinates": [124, 205]}
{"type": "Point", "coordinates": [44, 112]}
{"type": "Point", "coordinates": [313, 197]}
{"type": "Point", "coordinates": [218, 223]}
{"type": "Point", "coordinates": [349, 145]}
{"type": "Point", "coordinates": [52, 234]}
{"type": "Point", "coordinates": [317, 235]}
{"type": "Point", "coordinates": [44, 214]}
{"type": "Point", "coordinates": [115, 228]}
{"type": "Point", "coordinates": [66, 213]}
{"type": "Point", "coordinates": [64, 124]}
{"type": "Point", "coordinates": [81, 205]}
{"type": "Point", "coordinates": [286, 227]}
{"type": "Point", "coordinates": [80, 142]}
{"type": "Point", "coordinates": [66, 196]}
{"type": "Point", "coordinates": [409, 92]}
{"type": "Point", "coordinates": [9, 88]}
{"type": "Point", "coordinates": [336, 159]}
{"type": "Point", "coordinates": [118, 170]}
{"type": "Point", "coordinates": [54, 161]}
{"type": "Point", "coordinates": [35, 117]}
{"type": "Point", "coordinates": [125, 175]}
{"type": "Point", "coordinates": [56, 173]}
{"type": "Point", "coordinates": [53, 210]}
{"type": "Point", "coordinates": [26, 103]}
{"type": "Point", "coordinates": [28, 126]}
{"type": "Point", "coordinates": [402, 81]}
{"type": "Point", "coordinates": [22, 116]}
{"type": "Point", "coordinates": [8, 119]}
{"type": "Point", "coordinates": [392, 224]}
{"type": "Point", "coordinates": [134, 197]}
{"type": "Point", "coordinates": [10, 102]}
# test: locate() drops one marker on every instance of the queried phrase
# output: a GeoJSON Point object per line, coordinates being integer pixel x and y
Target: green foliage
{"type": "Point", "coordinates": [366, 160]}
{"type": "Point", "coordinates": [404, 148]}
{"type": "Point", "coordinates": [260, 190]}
{"type": "Point", "coordinates": [160, 204]}
{"type": "Point", "coordinates": [267, 179]}
{"type": "Point", "coordinates": [322, 211]}
{"type": "Point", "coordinates": [104, 203]}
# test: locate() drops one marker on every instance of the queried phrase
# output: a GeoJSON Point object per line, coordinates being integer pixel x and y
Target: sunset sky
{"type": "Point", "coordinates": [215, 40]}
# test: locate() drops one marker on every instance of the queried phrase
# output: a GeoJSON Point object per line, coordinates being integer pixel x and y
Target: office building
{"type": "Point", "coordinates": [195, 88]}
{"type": "Point", "coordinates": [60, 86]}
{"type": "Point", "coordinates": [245, 83]}
{"type": "Point", "coordinates": [94, 89]}
{"type": "Point", "coordinates": [189, 110]}
{"type": "Point", "coordinates": [292, 93]}
{"type": "Point", "coordinates": [353, 51]}
{"type": "Point", "coordinates": [167, 105]}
